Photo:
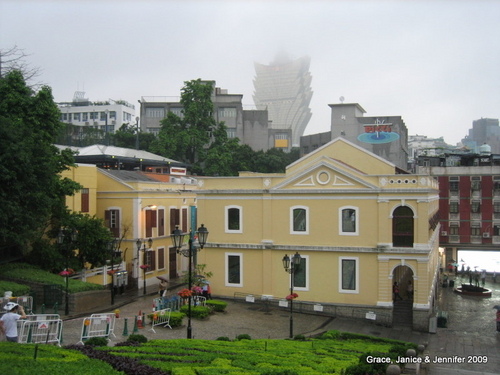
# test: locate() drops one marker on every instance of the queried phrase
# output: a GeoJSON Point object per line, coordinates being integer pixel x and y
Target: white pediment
{"type": "Point", "coordinates": [325, 175]}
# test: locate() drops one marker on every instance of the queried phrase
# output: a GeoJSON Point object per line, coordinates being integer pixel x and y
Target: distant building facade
{"type": "Point", "coordinates": [107, 116]}
{"type": "Point", "coordinates": [385, 136]}
{"type": "Point", "coordinates": [484, 130]}
{"type": "Point", "coordinates": [283, 88]}
{"type": "Point", "coordinates": [251, 127]}
{"type": "Point", "coordinates": [469, 200]}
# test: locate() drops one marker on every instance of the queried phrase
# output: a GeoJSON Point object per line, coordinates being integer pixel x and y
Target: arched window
{"type": "Point", "coordinates": [299, 220]}
{"type": "Point", "coordinates": [348, 220]}
{"type": "Point", "coordinates": [402, 227]}
{"type": "Point", "coordinates": [234, 219]}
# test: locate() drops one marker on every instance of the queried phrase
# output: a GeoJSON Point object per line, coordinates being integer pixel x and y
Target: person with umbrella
{"type": "Point", "coordinates": [162, 287]}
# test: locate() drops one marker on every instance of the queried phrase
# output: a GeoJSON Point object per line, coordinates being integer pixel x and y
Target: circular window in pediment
{"type": "Point", "coordinates": [323, 177]}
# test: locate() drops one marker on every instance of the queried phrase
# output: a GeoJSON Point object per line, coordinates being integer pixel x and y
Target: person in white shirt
{"type": "Point", "coordinates": [8, 322]}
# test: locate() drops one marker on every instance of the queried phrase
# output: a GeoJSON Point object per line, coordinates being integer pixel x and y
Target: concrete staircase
{"type": "Point", "coordinates": [402, 313]}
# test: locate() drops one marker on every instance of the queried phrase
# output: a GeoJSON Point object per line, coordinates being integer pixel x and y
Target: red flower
{"type": "Point", "coordinates": [144, 266]}
{"type": "Point", "coordinates": [291, 296]}
{"type": "Point", "coordinates": [185, 293]}
{"type": "Point", "coordinates": [67, 272]}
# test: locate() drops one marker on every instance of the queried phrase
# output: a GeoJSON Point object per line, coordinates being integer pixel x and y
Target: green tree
{"type": "Point", "coordinates": [30, 184]}
{"type": "Point", "coordinates": [187, 138]}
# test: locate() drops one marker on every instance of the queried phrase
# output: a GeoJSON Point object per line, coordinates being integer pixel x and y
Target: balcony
{"type": "Point", "coordinates": [476, 239]}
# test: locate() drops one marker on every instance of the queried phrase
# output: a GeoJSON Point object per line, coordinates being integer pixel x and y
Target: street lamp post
{"type": "Point", "coordinates": [291, 266]}
{"type": "Point", "coordinates": [60, 240]}
{"type": "Point", "coordinates": [112, 249]}
{"type": "Point", "coordinates": [178, 240]}
{"type": "Point", "coordinates": [144, 264]}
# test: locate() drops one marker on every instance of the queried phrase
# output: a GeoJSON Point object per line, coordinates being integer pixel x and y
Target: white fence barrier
{"type": "Point", "coordinates": [98, 325]}
{"type": "Point", "coordinates": [25, 301]}
{"type": "Point", "coordinates": [161, 317]}
{"type": "Point", "coordinates": [40, 331]}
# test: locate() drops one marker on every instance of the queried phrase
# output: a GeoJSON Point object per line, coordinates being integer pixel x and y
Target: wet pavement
{"type": "Point", "coordinates": [470, 335]}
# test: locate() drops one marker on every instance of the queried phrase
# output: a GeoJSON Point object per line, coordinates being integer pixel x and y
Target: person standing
{"type": "Point", "coordinates": [409, 290]}
{"type": "Point", "coordinates": [395, 291]}
{"type": "Point", "coordinates": [494, 276]}
{"type": "Point", "coordinates": [8, 322]}
{"type": "Point", "coordinates": [162, 288]}
{"type": "Point", "coordinates": [483, 277]}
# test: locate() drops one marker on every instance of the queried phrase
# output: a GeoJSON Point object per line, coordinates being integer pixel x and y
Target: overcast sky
{"type": "Point", "coordinates": [435, 63]}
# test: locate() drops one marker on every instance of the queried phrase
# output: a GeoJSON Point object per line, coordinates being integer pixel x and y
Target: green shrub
{"type": "Point", "coordinates": [197, 312]}
{"type": "Point", "coordinates": [16, 289]}
{"type": "Point", "coordinates": [243, 336]}
{"type": "Point", "coordinates": [223, 338]}
{"type": "Point", "coordinates": [175, 318]}
{"type": "Point", "coordinates": [29, 273]}
{"type": "Point", "coordinates": [140, 339]}
{"type": "Point", "coordinates": [299, 337]}
{"type": "Point", "coordinates": [97, 341]}
{"type": "Point", "coordinates": [217, 305]}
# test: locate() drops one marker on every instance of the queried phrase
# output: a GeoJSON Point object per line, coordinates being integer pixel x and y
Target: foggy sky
{"type": "Point", "coordinates": [435, 63]}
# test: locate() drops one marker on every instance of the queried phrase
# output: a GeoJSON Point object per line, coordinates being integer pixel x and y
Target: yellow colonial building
{"type": "Point", "coordinates": [136, 206]}
{"type": "Point", "coordinates": [358, 223]}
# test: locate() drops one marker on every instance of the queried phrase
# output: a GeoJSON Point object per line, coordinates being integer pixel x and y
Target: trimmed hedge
{"type": "Point", "coordinates": [217, 305]}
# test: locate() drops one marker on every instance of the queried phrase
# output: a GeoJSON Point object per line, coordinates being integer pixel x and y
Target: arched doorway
{"type": "Point", "coordinates": [402, 309]}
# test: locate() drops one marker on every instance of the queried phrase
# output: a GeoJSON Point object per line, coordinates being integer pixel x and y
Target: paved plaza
{"type": "Point", "coordinates": [470, 333]}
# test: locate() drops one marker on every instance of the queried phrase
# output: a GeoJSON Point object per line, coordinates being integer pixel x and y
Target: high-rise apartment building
{"type": "Point", "coordinates": [484, 130]}
{"type": "Point", "coordinates": [469, 200]}
{"type": "Point", "coordinates": [284, 89]}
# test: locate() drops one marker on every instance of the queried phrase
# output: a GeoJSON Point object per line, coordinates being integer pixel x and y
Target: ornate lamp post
{"type": "Point", "coordinates": [73, 236]}
{"type": "Point", "coordinates": [291, 266]}
{"type": "Point", "coordinates": [177, 241]}
{"type": "Point", "coordinates": [144, 266]}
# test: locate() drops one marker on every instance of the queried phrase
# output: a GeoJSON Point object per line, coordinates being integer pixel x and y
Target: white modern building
{"type": "Point", "coordinates": [107, 116]}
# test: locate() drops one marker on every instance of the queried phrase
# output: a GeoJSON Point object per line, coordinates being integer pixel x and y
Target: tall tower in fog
{"type": "Point", "coordinates": [284, 88]}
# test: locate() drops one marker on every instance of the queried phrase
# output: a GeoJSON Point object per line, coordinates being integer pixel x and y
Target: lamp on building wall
{"type": "Point", "coordinates": [291, 266]}
{"type": "Point", "coordinates": [144, 265]}
{"type": "Point", "coordinates": [177, 242]}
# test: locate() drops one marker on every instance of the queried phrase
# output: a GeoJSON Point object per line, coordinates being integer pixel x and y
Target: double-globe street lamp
{"type": "Point", "coordinates": [178, 240]}
{"type": "Point", "coordinates": [291, 265]}
{"type": "Point", "coordinates": [71, 236]}
{"type": "Point", "coordinates": [144, 266]}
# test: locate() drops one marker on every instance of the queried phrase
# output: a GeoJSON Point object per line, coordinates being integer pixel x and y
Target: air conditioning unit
{"type": "Point", "coordinates": [444, 233]}
{"type": "Point", "coordinates": [486, 235]}
{"type": "Point", "coordinates": [87, 123]}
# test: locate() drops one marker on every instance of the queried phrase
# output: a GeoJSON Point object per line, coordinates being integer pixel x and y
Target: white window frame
{"type": "Point", "coordinates": [350, 291]}
{"type": "Point", "coordinates": [226, 219]}
{"type": "Point", "coordinates": [226, 270]}
{"type": "Point", "coordinates": [356, 212]}
{"type": "Point", "coordinates": [306, 288]}
{"type": "Point", "coordinates": [307, 220]}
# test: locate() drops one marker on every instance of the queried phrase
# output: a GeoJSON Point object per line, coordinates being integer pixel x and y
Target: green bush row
{"type": "Point", "coordinates": [29, 359]}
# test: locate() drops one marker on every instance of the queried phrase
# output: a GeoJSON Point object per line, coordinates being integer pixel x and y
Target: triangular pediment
{"type": "Point", "coordinates": [328, 174]}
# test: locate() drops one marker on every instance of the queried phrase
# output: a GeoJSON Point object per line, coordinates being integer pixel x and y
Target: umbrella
{"type": "Point", "coordinates": [162, 278]}
{"type": "Point", "coordinates": [496, 307]}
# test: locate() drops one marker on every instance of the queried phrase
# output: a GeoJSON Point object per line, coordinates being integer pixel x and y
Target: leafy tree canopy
{"type": "Point", "coordinates": [30, 184]}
